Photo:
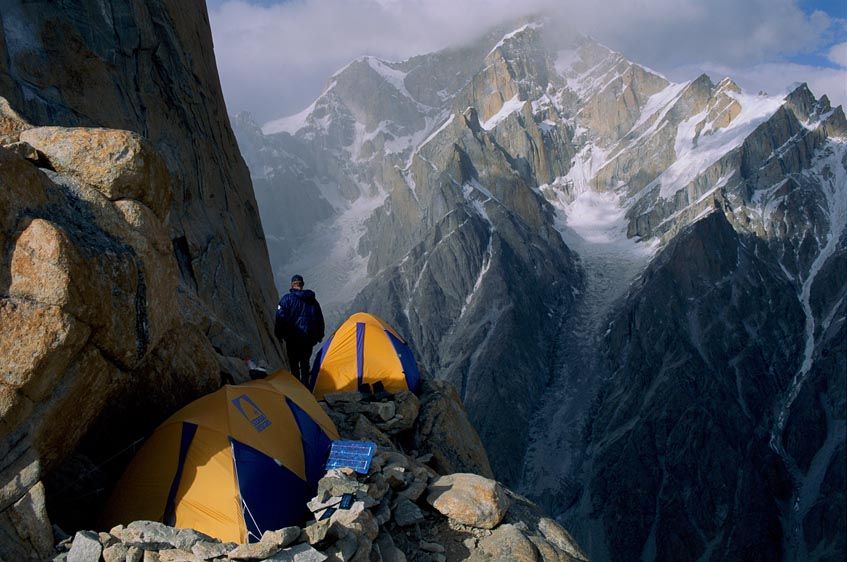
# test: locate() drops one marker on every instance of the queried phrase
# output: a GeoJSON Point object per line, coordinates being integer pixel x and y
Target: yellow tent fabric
{"type": "Point", "coordinates": [232, 464]}
{"type": "Point", "coordinates": [364, 350]}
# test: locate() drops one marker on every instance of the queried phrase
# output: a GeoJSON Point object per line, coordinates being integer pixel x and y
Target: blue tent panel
{"type": "Point", "coordinates": [407, 360]}
{"type": "Point", "coordinates": [319, 359]}
{"type": "Point", "coordinates": [316, 444]}
{"type": "Point", "coordinates": [272, 497]}
{"type": "Point", "coordinates": [360, 351]}
{"type": "Point", "coordinates": [187, 436]}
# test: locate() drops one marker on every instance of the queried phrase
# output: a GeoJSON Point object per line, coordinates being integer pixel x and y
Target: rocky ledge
{"type": "Point", "coordinates": [406, 508]}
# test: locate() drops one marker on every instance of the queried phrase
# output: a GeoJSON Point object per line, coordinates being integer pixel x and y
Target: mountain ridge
{"type": "Point", "coordinates": [586, 171]}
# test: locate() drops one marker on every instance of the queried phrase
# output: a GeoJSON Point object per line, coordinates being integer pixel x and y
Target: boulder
{"type": "Point", "coordinates": [134, 554]}
{"type": "Point", "coordinates": [377, 486]}
{"type": "Point", "coordinates": [23, 187]}
{"type": "Point", "coordinates": [177, 555]}
{"type": "Point", "coordinates": [388, 550]}
{"type": "Point", "coordinates": [338, 482]}
{"type": "Point", "coordinates": [383, 512]}
{"type": "Point", "coordinates": [120, 164]}
{"type": "Point", "coordinates": [560, 538]}
{"type": "Point", "coordinates": [254, 551]}
{"type": "Point", "coordinates": [187, 538]}
{"type": "Point", "coordinates": [407, 407]}
{"type": "Point", "coordinates": [357, 520]}
{"type": "Point", "coordinates": [381, 411]}
{"type": "Point", "coordinates": [507, 543]}
{"type": "Point", "coordinates": [23, 150]}
{"type": "Point", "coordinates": [107, 540]}
{"type": "Point", "coordinates": [29, 517]}
{"type": "Point", "coordinates": [365, 430]}
{"type": "Point", "coordinates": [86, 547]}
{"type": "Point", "coordinates": [298, 553]}
{"type": "Point", "coordinates": [43, 263]}
{"type": "Point", "coordinates": [336, 399]}
{"type": "Point", "coordinates": [323, 533]}
{"type": "Point", "coordinates": [115, 553]}
{"type": "Point", "coordinates": [413, 491]}
{"type": "Point", "coordinates": [148, 236]}
{"type": "Point", "coordinates": [549, 553]}
{"type": "Point", "coordinates": [469, 499]}
{"type": "Point", "coordinates": [208, 550]}
{"type": "Point", "coordinates": [281, 537]}
{"type": "Point", "coordinates": [388, 458]}
{"type": "Point", "coordinates": [444, 430]}
{"type": "Point", "coordinates": [346, 549]}
{"type": "Point", "coordinates": [38, 343]}
{"type": "Point", "coordinates": [432, 547]}
{"type": "Point", "coordinates": [11, 123]}
{"type": "Point", "coordinates": [406, 513]}
{"type": "Point", "coordinates": [110, 266]}
{"type": "Point", "coordinates": [318, 505]}
{"type": "Point", "coordinates": [148, 535]}
{"type": "Point", "coordinates": [396, 476]}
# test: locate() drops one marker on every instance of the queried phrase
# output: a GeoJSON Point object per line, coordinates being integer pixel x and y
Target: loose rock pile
{"type": "Point", "coordinates": [401, 510]}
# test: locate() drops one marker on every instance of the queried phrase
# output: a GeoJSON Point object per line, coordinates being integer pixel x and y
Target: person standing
{"type": "Point", "coordinates": [300, 324]}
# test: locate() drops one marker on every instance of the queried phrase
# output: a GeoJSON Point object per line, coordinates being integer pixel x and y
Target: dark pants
{"type": "Point", "coordinates": [298, 360]}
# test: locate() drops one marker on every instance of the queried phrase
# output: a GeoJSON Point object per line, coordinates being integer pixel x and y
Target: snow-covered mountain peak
{"type": "Point", "coordinates": [526, 208]}
{"type": "Point", "coordinates": [649, 138]}
{"type": "Point", "coordinates": [516, 36]}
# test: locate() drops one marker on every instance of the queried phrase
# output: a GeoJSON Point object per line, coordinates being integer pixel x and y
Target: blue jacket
{"type": "Point", "coordinates": [299, 319]}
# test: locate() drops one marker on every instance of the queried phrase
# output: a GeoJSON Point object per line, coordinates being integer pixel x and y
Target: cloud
{"type": "Point", "coordinates": [275, 59]}
{"type": "Point", "coordinates": [838, 54]}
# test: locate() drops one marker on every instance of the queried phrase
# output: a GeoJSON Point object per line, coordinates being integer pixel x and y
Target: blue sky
{"type": "Point", "coordinates": [835, 9]}
{"type": "Point", "coordinates": [275, 56]}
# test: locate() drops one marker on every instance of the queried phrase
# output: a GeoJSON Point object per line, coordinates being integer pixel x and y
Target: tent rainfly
{"type": "Point", "coordinates": [362, 351]}
{"type": "Point", "coordinates": [235, 463]}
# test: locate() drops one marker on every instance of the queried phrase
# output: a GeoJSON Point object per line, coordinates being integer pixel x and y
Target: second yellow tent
{"type": "Point", "coordinates": [362, 351]}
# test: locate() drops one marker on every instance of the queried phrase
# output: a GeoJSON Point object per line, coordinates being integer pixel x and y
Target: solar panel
{"type": "Point", "coordinates": [354, 454]}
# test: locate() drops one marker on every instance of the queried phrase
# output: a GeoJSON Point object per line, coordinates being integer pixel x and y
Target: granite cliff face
{"type": "Point", "coordinates": [148, 67]}
{"type": "Point", "coordinates": [133, 269]}
{"type": "Point", "coordinates": [643, 279]}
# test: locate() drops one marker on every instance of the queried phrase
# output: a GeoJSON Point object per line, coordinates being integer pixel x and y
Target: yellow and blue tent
{"type": "Point", "coordinates": [235, 463]}
{"type": "Point", "coordinates": [364, 350]}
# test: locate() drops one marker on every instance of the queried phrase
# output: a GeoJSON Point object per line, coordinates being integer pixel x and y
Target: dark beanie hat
{"type": "Point", "coordinates": [297, 279]}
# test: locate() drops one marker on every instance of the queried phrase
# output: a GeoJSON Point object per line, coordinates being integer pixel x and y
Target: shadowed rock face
{"type": "Point", "coordinates": [148, 67]}
{"type": "Point", "coordinates": [133, 267]}
{"type": "Point", "coordinates": [93, 345]}
{"type": "Point", "coordinates": [697, 354]}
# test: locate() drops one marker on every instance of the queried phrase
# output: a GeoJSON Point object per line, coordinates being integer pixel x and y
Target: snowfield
{"type": "Point", "coordinates": [696, 152]}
